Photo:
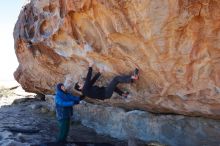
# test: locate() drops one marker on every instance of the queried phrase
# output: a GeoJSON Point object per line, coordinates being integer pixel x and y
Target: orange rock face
{"type": "Point", "coordinates": [175, 43]}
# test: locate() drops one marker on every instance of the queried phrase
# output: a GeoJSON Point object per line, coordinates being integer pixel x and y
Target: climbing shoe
{"type": "Point", "coordinates": [135, 75]}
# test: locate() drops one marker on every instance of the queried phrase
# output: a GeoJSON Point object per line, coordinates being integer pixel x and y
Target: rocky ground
{"type": "Point", "coordinates": [25, 120]}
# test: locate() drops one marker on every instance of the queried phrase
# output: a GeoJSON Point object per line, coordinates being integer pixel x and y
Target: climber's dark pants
{"type": "Point", "coordinates": [64, 126]}
{"type": "Point", "coordinates": [113, 85]}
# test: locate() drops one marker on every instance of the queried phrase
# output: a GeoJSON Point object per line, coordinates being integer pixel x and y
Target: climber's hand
{"type": "Point", "coordinates": [91, 63]}
{"type": "Point", "coordinates": [101, 70]}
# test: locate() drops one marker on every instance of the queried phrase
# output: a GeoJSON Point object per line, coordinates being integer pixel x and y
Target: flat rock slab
{"type": "Point", "coordinates": [173, 130]}
{"type": "Point", "coordinates": [74, 144]}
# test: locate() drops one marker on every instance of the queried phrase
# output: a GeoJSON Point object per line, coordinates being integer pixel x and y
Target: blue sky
{"type": "Point", "coordinates": [9, 11]}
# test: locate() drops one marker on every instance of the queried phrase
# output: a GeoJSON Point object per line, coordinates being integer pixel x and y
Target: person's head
{"type": "Point", "coordinates": [61, 87]}
{"type": "Point", "coordinates": [79, 86]}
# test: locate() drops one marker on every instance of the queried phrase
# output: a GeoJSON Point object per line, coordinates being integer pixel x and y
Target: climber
{"type": "Point", "coordinates": [90, 90]}
{"type": "Point", "coordinates": [64, 102]}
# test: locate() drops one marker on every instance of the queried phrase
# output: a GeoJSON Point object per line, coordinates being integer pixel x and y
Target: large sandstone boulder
{"type": "Point", "coordinates": [175, 43]}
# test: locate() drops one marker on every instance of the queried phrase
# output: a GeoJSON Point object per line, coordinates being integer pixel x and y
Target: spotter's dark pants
{"type": "Point", "coordinates": [64, 126]}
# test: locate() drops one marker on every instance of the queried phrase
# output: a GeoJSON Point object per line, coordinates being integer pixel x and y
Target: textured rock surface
{"type": "Point", "coordinates": [175, 43]}
{"type": "Point", "coordinates": [167, 129]}
{"type": "Point", "coordinates": [30, 123]}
